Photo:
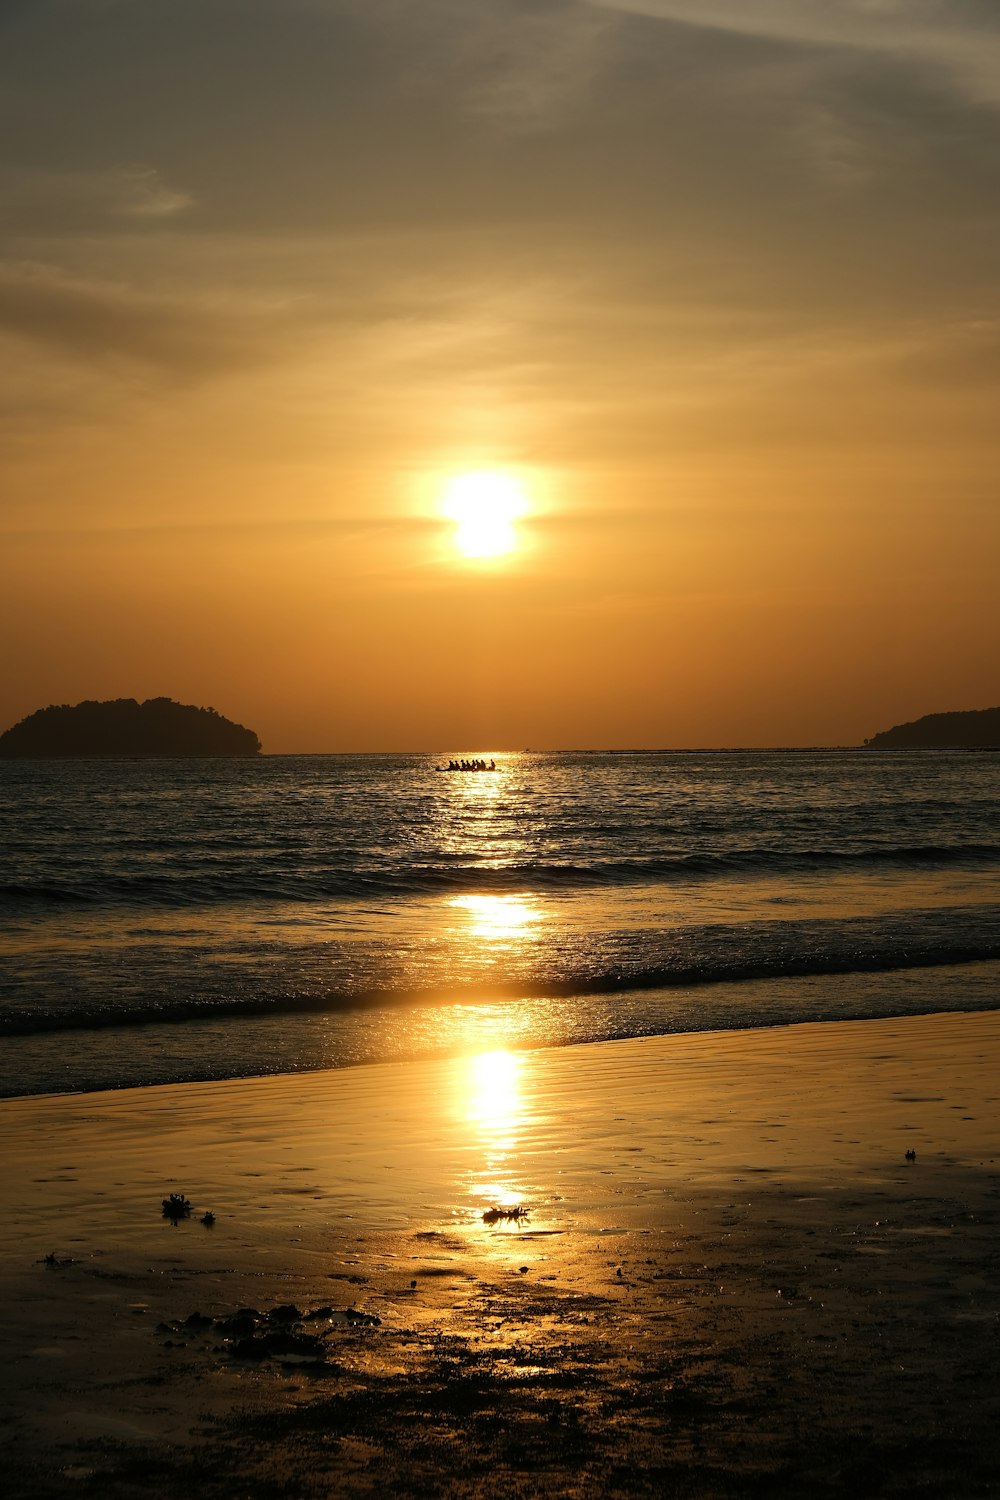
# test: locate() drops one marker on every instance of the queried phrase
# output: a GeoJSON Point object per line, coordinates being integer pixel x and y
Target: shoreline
{"type": "Point", "coordinates": [166, 1053]}
{"type": "Point", "coordinates": [729, 1272]}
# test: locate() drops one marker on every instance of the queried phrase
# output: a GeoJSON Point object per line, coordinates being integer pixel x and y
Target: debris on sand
{"type": "Point", "coordinates": [250, 1336]}
{"type": "Point", "coordinates": [494, 1215]}
{"type": "Point", "coordinates": [286, 1313]}
{"type": "Point", "coordinates": [279, 1344]}
{"type": "Point", "coordinates": [176, 1207]}
{"type": "Point", "coordinates": [355, 1315]}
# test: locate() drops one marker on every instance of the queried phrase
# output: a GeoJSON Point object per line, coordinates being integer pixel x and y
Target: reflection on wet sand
{"type": "Point", "coordinates": [491, 1102]}
{"type": "Point", "coordinates": [767, 1298]}
{"type": "Point", "coordinates": [495, 1097]}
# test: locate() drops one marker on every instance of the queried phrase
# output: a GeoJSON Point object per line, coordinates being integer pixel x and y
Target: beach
{"type": "Point", "coordinates": [729, 1279]}
{"type": "Point", "coordinates": [500, 750]}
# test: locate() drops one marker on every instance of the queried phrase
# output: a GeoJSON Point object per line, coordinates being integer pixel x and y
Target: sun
{"type": "Point", "coordinates": [484, 504]}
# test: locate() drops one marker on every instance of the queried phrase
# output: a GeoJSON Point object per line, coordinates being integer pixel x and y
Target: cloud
{"type": "Point", "coordinates": [142, 194]}
{"type": "Point", "coordinates": [334, 116]}
{"type": "Point", "coordinates": [532, 66]}
{"type": "Point", "coordinates": [519, 64]}
{"type": "Point", "coordinates": [44, 199]}
{"type": "Point", "coordinates": [962, 361]}
{"type": "Point", "coordinates": [104, 321]}
{"type": "Point", "coordinates": [960, 36]}
{"type": "Point", "coordinates": [514, 199]}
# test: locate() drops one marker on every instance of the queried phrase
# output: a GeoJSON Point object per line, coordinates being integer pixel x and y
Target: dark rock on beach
{"type": "Point", "coordinates": [251, 1337]}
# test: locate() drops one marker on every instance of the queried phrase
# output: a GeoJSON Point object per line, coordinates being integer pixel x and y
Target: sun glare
{"type": "Point", "coordinates": [484, 505]}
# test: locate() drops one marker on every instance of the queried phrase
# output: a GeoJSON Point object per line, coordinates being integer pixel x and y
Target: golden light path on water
{"type": "Point", "coordinates": [490, 1107]}
{"type": "Point", "coordinates": [492, 917]}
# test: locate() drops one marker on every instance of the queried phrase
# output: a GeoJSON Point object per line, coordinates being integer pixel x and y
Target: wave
{"type": "Point", "coordinates": [184, 888]}
{"type": "Point", "coordinates": [779, 963]}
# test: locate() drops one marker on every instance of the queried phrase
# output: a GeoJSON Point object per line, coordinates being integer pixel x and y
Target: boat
{"type": "Point", "coordinates": [469, 767]}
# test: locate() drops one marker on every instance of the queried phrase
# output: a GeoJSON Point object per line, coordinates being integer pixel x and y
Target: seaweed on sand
{"type": "Point", "coordinates": [176, 1207]}
{"type": "Point", "coordinates": [513, 1214]}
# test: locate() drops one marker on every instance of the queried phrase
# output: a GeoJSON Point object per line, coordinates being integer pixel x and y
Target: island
{"type": "Point", "coordinates": [968, 729]}
{"type": "Point", "coordinates": [125, 727]}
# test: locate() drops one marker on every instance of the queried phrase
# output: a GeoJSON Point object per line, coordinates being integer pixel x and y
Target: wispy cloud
{"type": "Point", "coordinates": [959, 36]}
{"type": "Point", "coordinates": [42, 197]}
{"type": "Point", "coordinates": [141, 193]}
{"type": "Point", "coordinates": [96, 320]}
{"type": "Point", "coordinates": [523, 65]}
{"type": "Point", "coordinates": [963, 360]}
{"type": "Point", "coordinates": [531, 67]}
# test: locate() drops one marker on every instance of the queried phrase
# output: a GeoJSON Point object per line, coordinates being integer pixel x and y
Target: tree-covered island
{"type": "Point", "coordinates": [966, 729]}
{"type": "Point", "coordinates": [125, 727]}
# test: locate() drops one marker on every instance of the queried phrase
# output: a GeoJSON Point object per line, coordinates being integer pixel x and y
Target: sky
{"type": "Point", "coordinates": [713, 286]}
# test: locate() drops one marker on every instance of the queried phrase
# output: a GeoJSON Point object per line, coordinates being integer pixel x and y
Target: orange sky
{"type": "Point", "coordinates": [716, 283]}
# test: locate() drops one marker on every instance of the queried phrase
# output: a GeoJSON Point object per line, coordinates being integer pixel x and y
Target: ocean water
{"type": "Point", "coordinates": [169, 920]}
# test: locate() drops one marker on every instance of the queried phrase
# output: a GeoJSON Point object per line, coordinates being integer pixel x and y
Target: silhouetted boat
{"type": "Point", "coordinates": [468, 770]}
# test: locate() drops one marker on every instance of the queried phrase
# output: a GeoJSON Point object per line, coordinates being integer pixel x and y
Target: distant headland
{"type": "Point", "coordinates": [969, 729]}
{"type": "Point", "coordinates": [124, 727]}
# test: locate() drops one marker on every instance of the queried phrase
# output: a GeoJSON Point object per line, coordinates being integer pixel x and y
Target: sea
{"type": "Point", "coordinates": [177, 920]}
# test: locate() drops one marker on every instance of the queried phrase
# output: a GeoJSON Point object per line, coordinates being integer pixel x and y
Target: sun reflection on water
{"type": "Point", "coordinates": [498, 916]}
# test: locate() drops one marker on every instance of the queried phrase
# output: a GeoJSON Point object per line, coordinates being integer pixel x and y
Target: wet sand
{"type": "Point", "coordinates": [730, 1280]}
